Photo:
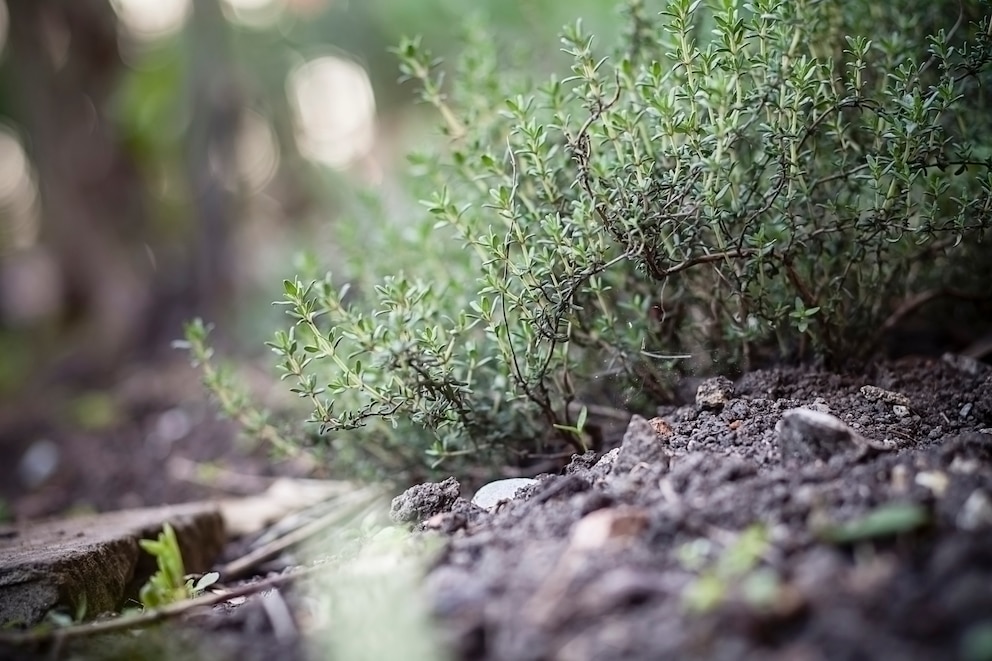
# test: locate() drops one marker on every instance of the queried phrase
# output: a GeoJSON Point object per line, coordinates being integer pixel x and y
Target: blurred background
{"type": "Point", "coordinates": [165, 159]}
{"type": "Point", "coordinates": [161, 158]}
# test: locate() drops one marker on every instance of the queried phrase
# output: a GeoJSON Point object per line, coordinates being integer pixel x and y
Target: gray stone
{"type": "Point", "coordinates": [820, 404]}
{"type": "Point", "coordinates": [489, 495]}
{"type": "Point", "coordinates": [641, 444]}
{"type": "Point", "coordinates": [813, 434]}
{"type": "Point", "coordinates": [96, 560]}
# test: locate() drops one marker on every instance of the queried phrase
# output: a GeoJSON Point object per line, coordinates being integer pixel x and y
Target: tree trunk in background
{"type": "Point", "coordinates": [65, 63]}
{"type": "Point", "coordinates": [210, 150]}
{"type": "Point", "coordinates": [120, 296]}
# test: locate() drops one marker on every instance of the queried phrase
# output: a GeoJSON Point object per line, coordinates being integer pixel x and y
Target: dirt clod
{"type": "Point", "coordinates": [807, 434]}
{"type": "Point", "coordinates": [714, 393]}
{"type": "Point", "coordinates": [423, 501]}
{"type": "Point", "coordinates": [641, 444]}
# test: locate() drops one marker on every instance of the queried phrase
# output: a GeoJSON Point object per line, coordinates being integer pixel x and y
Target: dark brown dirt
{"type": "Point", "coordinates": [524, 582]}
{"type": "Point", "coordinates": [528, 581]}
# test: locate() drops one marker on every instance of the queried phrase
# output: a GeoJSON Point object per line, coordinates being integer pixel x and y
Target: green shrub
{"type": "Point", "coordinates": [734, 181]}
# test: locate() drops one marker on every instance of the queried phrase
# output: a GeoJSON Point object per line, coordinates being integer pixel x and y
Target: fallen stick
{"type": "Point", "coordinates": [153, 615]}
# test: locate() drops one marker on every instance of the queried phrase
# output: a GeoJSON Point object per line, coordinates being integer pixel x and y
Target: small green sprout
{"type": "Point", "coordinates": [170, 583]}
{"type": "Point", "coordinates": [885, 521]}
{"type": "Point", "coordinates": [736, 570]}
{"type": "Point", "coordinates": [578, 429]}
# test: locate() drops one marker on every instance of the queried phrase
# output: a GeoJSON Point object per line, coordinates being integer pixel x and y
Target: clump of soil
{"type": "Point", "coordinates": [882, 549]}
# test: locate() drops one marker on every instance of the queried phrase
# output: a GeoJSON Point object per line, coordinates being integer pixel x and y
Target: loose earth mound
{"type": "Point", "coordinates": [861, 529]}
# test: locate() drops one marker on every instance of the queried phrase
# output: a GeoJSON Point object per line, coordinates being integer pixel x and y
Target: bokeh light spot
{"type": "Point", "coordinates": [18, 193]}
{"type": "Point", "coordinates": [256, 155]}
{"type": "Point", "coordinates": [148, 20]}
{"type": "Point", "coordinates": [334, 110]}
{"type": "Point", "coordinates": [259, 14]}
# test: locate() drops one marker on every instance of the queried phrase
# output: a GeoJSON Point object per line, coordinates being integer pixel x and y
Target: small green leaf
{"type": "Point", "coordinates": [885, 521]}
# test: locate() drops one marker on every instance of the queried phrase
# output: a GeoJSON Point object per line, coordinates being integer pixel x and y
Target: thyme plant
{"type": "Point", "coordinates": [732, 181]}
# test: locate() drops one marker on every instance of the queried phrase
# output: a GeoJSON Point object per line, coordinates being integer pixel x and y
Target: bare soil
{"type": "Point", "coordinates": [523, 582]}
{"type": "Point", "coordinates": [527, 581]}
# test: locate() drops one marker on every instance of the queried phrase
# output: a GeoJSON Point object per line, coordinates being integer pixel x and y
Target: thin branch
{"type": "Point", "coordinates": [914, 303]}
{"type": "Point", "coordinates": [933, 57]}
{"type": "Point", "coordinates": [248, 562]}
{"type": "Point", "coordinates": [706, 259]}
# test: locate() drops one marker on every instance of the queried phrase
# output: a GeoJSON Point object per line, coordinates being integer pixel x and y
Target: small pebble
{"type": "Point", "coordinates": [599, 528]}
{"type": "Point", "coordinates": [736, 410]}
{"type": "Point", "coordinates": [820, 404]}
{"type": "Point", "coordinates": [876, 394]}
{"type": "Point", "coordinates": [964, 466]}
{"type": "Point", "coordinates": [423, 501]}
{"type": "Point", "coordinates": [900, 479]}
{"type": "Point", "coordinates": [714, 393]}
{"type": "Point", "coordinates": [965, 410]}
{"type": "Point", "coordinates": [935, 481]}
{"type": "Point", "coordinates": [660, 427]}
{"type": "Point", "coordinates": [976, 512]}
{"type": "Point", "coordinates": [172, 425]}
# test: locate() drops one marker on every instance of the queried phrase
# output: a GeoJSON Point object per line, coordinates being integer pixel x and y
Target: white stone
{"type": "Point", "coordinates": [489, 495]}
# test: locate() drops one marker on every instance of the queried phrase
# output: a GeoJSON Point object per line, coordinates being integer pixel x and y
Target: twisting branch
{"type": "Point", "coordinates": [914, 303]}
